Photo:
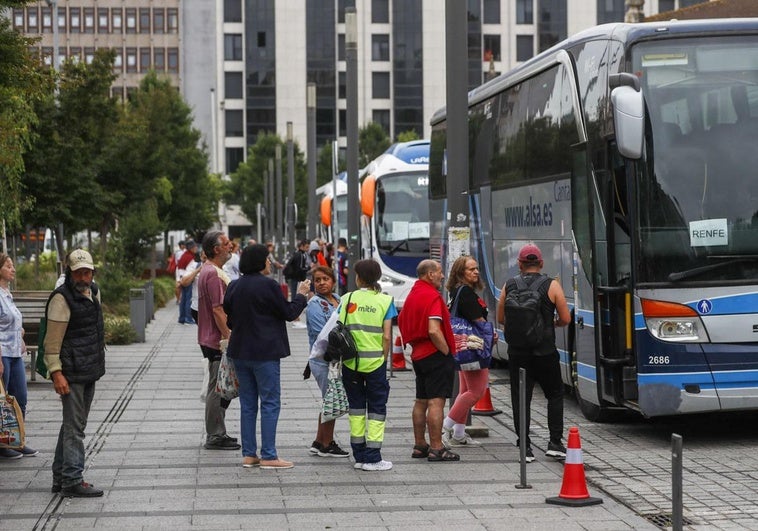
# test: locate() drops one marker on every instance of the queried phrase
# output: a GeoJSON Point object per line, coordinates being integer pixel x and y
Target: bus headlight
{"type": "Point", "coordinates": [681, 330]}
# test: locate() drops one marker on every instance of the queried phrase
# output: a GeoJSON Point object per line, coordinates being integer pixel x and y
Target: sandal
{"type": "Point", "coordinates": [443, 454]}
{"type": "Point", "coordinates": [420, 451]}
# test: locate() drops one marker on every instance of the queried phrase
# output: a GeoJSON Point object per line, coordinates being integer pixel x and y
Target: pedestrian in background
{"type": "Point", "coordinates": [75, 356]}
{"type": "Point", "coordinates": [342, 266]}
{"type": "Point", "coordinates": [425, 325]}
{"type": "Point", "coordinates": [462, 285]}
{"type": "Point", "coordinates": [320, 308]}
{"type": "Point", "coordinates": [185, 302]}
{"type": "Point", "coordinates": [232, 266]}
{"type": "Point", "coordinates": [256, 312]}
{"type": "Point", "coordinates": [296, 270]}
{"type": "Point", "coordinates": [541, 362]}
{"type": "Point", "coordinates": [368, 314]}
{"type": "Point", "coordinates": [12, 349]}
{"type": "Point", "coordinates": [211, 329]}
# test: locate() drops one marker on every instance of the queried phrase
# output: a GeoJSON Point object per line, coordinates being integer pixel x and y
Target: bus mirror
{"type": "Point", "coordinates": [629, 120]}
{"type": "Point", "coordinates": [368, 192]}
{"type": "Point", "coordinates": [326, 211]}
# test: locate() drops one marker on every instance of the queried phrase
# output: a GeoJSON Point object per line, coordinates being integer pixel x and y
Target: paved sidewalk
{"type": "Point", "coordinates": [144, 447]}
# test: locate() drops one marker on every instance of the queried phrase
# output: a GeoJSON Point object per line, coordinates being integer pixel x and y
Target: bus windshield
{"type": "Point", "coordinates": [402, 213]}
{"type": "Point", "coordinates": [697, 188]}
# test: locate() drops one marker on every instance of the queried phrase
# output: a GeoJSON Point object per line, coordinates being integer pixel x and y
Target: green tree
{"type": "Point", "coordinates": [407, 136]}
{"type": "Point", "coordinates": [372, 142]}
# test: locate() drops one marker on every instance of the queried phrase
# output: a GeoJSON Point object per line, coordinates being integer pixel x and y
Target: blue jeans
{"type": "Point", "coordinates": [68, 464]}
{"type": "Point", "coordinates": [185, 306]}
{"type": "Point", "coordinates": [14, 380]}
{"type": "Point", "coordinates": [259, 380]}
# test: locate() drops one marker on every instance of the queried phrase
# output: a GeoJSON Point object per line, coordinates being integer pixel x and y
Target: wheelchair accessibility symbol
{"type": "Point", "coordinates": [704, 306]}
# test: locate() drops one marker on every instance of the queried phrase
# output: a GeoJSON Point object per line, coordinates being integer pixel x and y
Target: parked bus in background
{"type": "Point", "coordinates": [395, 214]}
{"type": "Point", "coordinates": [333, 214]}
{"type": "Point", "coordinates": [627, 154]}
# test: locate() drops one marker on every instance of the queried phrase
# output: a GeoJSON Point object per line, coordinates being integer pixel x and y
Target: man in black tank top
{"type": "Point", "coordinates": [542, 361]}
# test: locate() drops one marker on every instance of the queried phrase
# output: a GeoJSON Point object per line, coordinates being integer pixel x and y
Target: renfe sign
{"type": "Point", "coordinates": [709, 232]}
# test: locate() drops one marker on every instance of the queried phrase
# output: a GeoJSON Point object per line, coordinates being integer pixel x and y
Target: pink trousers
{"type": "Point", "coordinates": [472, 387]}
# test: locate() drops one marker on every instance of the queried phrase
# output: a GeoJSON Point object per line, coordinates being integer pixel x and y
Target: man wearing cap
{"type": "Point", "coordinates": [541, 362]}
{"type": "Point", "coordinates": [185, 304]}
{"type": "Point", "coordinates": [75, 357]}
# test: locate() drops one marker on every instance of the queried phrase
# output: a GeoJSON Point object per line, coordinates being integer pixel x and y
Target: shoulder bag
{"type": "Point", "coordinates": [11, 421]}
{"type": "Point", "coordinates": [341, 344]}
{"type": "Point", "coordinates": [227, 385]}
{"type": "Point", "coordinates": [335, 399]}
{"type": "Point", "coordinates": [473, 340]}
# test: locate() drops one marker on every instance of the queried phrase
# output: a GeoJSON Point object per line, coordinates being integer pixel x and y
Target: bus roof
{"type": "Point", "coordinates": [402, 156]}
{"type": "Point", "coordinates": [626, 33]}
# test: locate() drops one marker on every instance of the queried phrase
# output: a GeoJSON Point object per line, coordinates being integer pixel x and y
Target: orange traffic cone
{"type": "Point", "coordinates": [484, 405]}
{"type": "Point", "coordinates": [398, 356]}
{"type": "Point", "coordinates": [574, 491]}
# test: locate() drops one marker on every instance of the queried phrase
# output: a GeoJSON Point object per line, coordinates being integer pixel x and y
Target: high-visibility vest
{"type": "Point", "coordinates": [365, 319]}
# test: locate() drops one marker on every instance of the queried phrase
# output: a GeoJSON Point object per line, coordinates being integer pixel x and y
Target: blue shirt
{"type": "Point", "coordinates": [317, 314]}
{"type": "Point", "coordinates": [10, 327]}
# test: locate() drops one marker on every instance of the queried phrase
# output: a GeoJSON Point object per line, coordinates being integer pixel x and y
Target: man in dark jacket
{"type": "Point", "coordinates": [75, 357]}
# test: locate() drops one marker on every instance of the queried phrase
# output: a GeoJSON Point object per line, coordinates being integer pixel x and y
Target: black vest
{"type": "Point", "coordinates": [548, 315]}
{"type": "Point", "coordinates": [83, 349]}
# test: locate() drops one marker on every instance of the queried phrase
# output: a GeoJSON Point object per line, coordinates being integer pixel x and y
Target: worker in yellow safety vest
{"type": "Point", "coordinates": [368, 314]}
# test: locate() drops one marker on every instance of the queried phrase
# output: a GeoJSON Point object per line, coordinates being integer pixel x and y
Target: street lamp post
{"type": "Point", "coordinates": [291, 215]}
{"type": "Point", "coordinates": [310, 101]}
{"type": "Point", "coordinates": [279, 195]}
{"type": "Point", "coordinates": [351, 78]}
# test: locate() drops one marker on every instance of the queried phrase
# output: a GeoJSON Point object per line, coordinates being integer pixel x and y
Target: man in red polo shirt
{"type": "Point", "coordinates": [424, 324]}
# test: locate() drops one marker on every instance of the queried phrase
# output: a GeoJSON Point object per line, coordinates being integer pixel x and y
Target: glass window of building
{"type": "Point", "coordinates": [117, 92]}
{"type": "Point", "coordinates": [173, 59]}
{"type": "Point", "coordinates": [131, 20]}
{"type": "Point", "coordinates": [144, 20]}
{"type": "Point", "coordinates": [233, 47]}
{"type": "Point", "coordinates": [524, 12]}
{"type": "Point", "coordinates": [32, 19]}
{"type": "Point", "coordinates": [47, 55]}
{"type": "Point", "coordinates": [342, 86]}
{"type": "Point", "coordinates": [524, 47]}
{"type": "Point", "coordinates": [491, 48]}
{"type": "Point", "coordinates": [118, 60]}
{"type": "Point", "coordinates": [610, 11]}
{"type": "Point", "coordinates": [491, 12]}
{"type": "Point", "coordinates": [144, 59]}
{"type": "Point", "coordinates": [380, 11]}
{"type": "Point", "coordinates": [234, 123]}
{"type": "Point", "coordinates": [172, 18]}
{"type": "Point", "coordinates": [89, 20]}
{"type": "Point", "coordinates": [380, 85]}
{"type": "Point", "coordinates": [75, 54]}
{"type": "Point", "coordinates": [18, 19]}
{"type": "Point", "coordinates": [75, 20]}
{"type": "Point", "coordinates": [382, 117]}
{"type": "Point", "coordinates": [131, 60]}
{"type": "Point", "coordinates": [117, 20]}
{"type": "Point", "coordinates": [89, 54]}
{"type": "Point", "coordinates": [159, 59]}
{"type": "Point", "coordinates": [689, 3]}
{"type": "Point", "coordinates": [341, 47]}
{"type": "Point", "coordinates": [159, 20]}
{"type": "Point", "coordinates": [232, 10]}
{"type": "Point", "coordinates": [234, 157]}
{"type": "Point", "coordinates": [102, 20]}
{"type": "Point", "coordinates": [233, 85]}
{"type": "Point", "coordinates": [341, 5]}
{"type": "Point", "coordinates": [665, 5]}
{"type": "Point", "coordinates": [380, 47]}
{"type": "Point", "coordinates": [342, 122]}
{"type": "Point", "coordinates": [552, 23]}
{"type": "Point", "coordinates": [47, 20]}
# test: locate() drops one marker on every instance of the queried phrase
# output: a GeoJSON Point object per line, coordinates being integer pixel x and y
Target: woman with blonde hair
{"type": "Point", "coordinates": [462, 285]}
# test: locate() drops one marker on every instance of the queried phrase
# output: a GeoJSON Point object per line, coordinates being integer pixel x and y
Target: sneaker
{"type": "Point", "coordinates": [333, 450]}
{"type": "Point", "coordinates": [82, 490]}
{"type": "Point", "coordinates": [529, 455]}
{"type": "Point", "coordinates": [315, 448]}
{"type": "Point", "coordinates": [250, 461]}
{"type": "Point", "coordinates": [55, 488]}
{"type": "Point", "coordinates": [28, 452]}
{"type": "Point", "coordinates": [229, 438]}
{"type": "Point", "coordinates": [451, 441]}
{"type": "Point", "coordinates": [556, 449]}
{"type": "Point", "coordinates": [358, 466]}
{"type": "Point", "coordinates": [7, 453]}
{"type": "Point", "coordinates": [273, 464]}
{"type": "Point", "coordinates": [221, 443]}
{"type": "Point", "coordinates": [378, 466]}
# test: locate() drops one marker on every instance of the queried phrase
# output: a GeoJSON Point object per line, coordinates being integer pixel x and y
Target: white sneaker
{"type": "Point", "coordinates": [453, 442]}
{"type": "Point", "coordinates": [358, 466]}
{"type": "Point", "coordinates": [378, 466]}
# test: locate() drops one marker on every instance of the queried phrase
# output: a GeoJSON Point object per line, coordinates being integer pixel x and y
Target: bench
{"type": "Point", "coordinates": [32, 305]}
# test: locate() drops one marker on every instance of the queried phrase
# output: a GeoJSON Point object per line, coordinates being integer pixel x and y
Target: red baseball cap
{"type": "Point", "coordinates": [530, 253]}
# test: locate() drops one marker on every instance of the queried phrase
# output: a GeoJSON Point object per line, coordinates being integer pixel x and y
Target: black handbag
{"type": "Point", "coordinates": [341, 346]}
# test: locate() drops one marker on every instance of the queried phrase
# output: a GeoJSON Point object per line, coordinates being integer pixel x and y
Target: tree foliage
{"type": "Point", "coordinates": [372, 142]}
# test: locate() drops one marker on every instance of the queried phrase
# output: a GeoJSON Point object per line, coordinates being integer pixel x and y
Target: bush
{"type": "Point", "coordinates": [163, 290]}
{"type": "Point", "coordinates": [119, 331]}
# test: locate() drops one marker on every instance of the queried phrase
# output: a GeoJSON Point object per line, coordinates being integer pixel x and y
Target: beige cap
{"type": "Point", "coordinates": [80, 258]}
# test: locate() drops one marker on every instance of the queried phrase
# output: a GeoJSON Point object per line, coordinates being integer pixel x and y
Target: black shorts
{"type": "Point", "coordinates": [434, 376]}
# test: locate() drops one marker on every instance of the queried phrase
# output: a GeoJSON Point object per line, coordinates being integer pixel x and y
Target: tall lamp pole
{"type": "Point", "coordinates": [291, 214]}
{"type": "Point", "coordinates": [351, 78]}
{"type": "Point", "coordinates": [310, 101]}
{"type": "Point", "coordinates": [279, 195]}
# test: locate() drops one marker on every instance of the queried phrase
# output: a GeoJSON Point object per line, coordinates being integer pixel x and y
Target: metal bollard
{"type": "Point", "coordinates": [149, 301]}
{"type": "Point", "coordinates": [137, 315]}
{"type": "Point", "coordinates": [522, 436]}
{"type": "Point", "coordinates": [676, 482]}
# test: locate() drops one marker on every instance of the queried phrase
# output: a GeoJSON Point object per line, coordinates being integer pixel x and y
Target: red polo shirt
{"type": "Point", "coordinates": [424, 302]}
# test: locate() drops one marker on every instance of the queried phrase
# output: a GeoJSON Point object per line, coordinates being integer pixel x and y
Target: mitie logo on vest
{"type": "Point", "coordinates": [353, 307]}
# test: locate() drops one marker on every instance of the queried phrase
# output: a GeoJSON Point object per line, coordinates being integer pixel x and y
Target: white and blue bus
{"type": "Point", "coordinates": [395, 214]}
{"type": "Point", "coordinates": [628, 154]}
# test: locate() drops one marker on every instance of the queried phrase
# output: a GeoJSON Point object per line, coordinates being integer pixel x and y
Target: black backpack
{"type": "Point", "coordinates": [293, 269]}
{"type": "Point", "coordinates": [524, 324]}
{"type": "Point", "coordinates": [341, 344]}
